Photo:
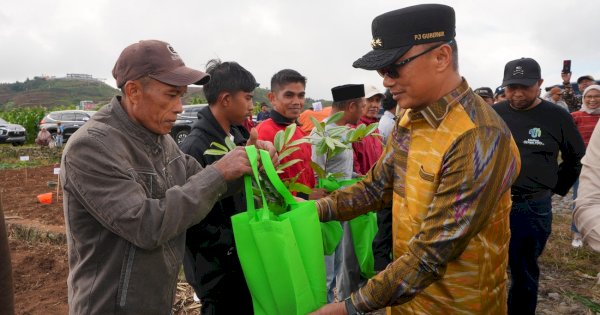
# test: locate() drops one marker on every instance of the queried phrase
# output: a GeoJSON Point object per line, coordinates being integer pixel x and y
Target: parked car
{"type": "Point", "coordinates": [184, 122]}
{"type": "Point", "coordinates": [192, 110]}
{"type": "Point", "coordinates": [12, 133]}
{"type": "Point", "coordinates": [71, 120]}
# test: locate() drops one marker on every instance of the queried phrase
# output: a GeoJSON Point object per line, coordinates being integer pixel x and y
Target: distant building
{"type": "Point", "coordinates": [81, 76]}
{"type": "Point", "coordinates": [86, 105]}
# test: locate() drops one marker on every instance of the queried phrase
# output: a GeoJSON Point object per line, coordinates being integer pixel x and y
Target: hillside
{"type": "Point", "coordinates": [50, 93]}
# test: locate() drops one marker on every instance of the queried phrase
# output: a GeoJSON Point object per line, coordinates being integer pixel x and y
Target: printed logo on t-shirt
{"type": "Point", "coordinates": [534, 133]}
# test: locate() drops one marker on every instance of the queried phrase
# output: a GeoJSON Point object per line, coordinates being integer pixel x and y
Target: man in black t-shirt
{"type": "Point", "coordinates": [541, 130]}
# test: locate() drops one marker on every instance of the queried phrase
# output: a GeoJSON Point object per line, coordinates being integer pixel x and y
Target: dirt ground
{"type": "Point", "coordinates": [567, 285]}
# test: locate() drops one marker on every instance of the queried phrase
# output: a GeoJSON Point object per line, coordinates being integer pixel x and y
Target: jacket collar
{"type": "Point", "coordinates": [209, 125]}
{"type": "Point", "coordinates": [281, 120]}
{"type": "Point", "coordinates": [435, 112]}
{"type": "Point", "coordinates": [367, 121]}
{"type": "Point", "coordinates": [147, 137]}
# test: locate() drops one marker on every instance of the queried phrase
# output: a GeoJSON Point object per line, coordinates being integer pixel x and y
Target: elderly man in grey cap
{"type": "Point", "coordinates": [446, 172]}
{"type": "Point", "coordinates": [130, 193]}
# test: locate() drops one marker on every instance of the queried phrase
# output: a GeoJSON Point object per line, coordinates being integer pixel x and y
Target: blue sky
{"type": "Point", "coordinates": [320, 39]}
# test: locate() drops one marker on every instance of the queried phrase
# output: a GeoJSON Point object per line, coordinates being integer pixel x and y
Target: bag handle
{"type": "Point", "coordinates": [253, 158]}
{"type": "Point", "coordinates": [275, 180]}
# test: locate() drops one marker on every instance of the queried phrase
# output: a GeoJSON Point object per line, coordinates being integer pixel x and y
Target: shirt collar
{"type": "Point", "coordinates": [435, 112]}
{"type": "Point", "coordinates": [281, 120]}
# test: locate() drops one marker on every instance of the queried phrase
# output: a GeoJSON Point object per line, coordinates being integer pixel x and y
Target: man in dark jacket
{"type": "Point", "coordinates": [130, 194]}
{"type": "Point", "coordinates": [211, 264]}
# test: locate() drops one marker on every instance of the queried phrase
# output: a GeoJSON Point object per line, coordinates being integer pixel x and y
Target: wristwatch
{"type": "Point", "coordinates": [350, 308]}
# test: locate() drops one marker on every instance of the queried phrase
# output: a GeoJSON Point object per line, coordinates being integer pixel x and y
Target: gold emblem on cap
{"type": "Point", "coordinates": [376, 42]}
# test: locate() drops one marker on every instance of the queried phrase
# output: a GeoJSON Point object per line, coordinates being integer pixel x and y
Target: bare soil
{"type": "Point", "coordinates": [40, 268]}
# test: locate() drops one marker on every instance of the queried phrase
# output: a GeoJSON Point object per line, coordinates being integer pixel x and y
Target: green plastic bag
{"type": "Point", "coordinates": [363, 229]}
{"type": "Point", "coordinates": [281, 256]}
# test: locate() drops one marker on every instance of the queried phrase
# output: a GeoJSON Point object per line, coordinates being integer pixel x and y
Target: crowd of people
{"type": "Point", "coordinates": [461, 179]}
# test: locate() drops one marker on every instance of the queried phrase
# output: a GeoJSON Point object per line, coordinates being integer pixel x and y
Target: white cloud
{"type": "Point", "coordinates": [320, 39]}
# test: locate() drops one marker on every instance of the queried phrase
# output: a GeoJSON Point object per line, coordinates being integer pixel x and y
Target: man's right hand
{"type": "Point", "coordinates": [318, 193]}
{"type": "Point", "coordinates": [234, 164]}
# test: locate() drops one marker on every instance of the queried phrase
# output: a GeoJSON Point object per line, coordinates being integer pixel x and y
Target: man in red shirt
{"type": "Point", "coordinates": [287, 97]}
{"type": "Point", "coordinates": [368, 150]}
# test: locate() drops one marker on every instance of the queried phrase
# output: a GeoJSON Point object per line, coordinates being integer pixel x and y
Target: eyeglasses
{"type": "Point", "coordinates": [392, 70]}
{"type": "Point", "coordinates": [589, 97]}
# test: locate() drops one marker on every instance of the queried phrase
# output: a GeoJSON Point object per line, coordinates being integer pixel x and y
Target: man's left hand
{"type": "Point", "coordinates": [263, 145]}
{"type": "Point", "coordinates": [338, 308]}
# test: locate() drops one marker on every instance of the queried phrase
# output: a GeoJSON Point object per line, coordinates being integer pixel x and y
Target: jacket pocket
{"type": "Point", "coordinates": [126, 270]}
{"type": "Point", "coordinates": [149, 180]}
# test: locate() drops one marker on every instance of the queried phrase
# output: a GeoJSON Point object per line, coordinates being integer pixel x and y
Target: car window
{"type": "Point", "coordinates": [56, 116]}
{"type": "Point", "coordinates": [68, 117]}
{"type": "Point", "coordinates": [81, 117]}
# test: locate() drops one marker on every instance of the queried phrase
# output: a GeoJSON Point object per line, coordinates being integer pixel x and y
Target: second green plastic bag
{"type": "Point", "coordinates": [363, 229]}
{"type": "Point", "coordinates": [281, 256]}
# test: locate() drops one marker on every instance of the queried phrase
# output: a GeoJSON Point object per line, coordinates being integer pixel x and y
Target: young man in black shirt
{"type": "Point", "coordinates": [211, 263]}
{"type": "Point", "coordinates": [541, 130]}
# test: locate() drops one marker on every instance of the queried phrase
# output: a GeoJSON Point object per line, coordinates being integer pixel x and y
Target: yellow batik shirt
{"type": "Point", "coordinates": [446, 171]}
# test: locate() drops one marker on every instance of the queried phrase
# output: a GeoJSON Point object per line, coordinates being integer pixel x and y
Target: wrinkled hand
{"type": "Point", "coordinates": [566, 77]}
{"type": "Point", "coordinates": [234, 164]}
{"type": "Point", "coordinates": [332, 309]}
{"type": "Point", "coordinates": [263, 145]}
{"type": "Point", "coordinates": [318, 193]}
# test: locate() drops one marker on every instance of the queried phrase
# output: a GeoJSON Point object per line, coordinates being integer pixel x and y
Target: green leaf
{"type": "Point", "coordinates": [287, 152]}
{"type": "Point", "coordinates": [371, 128]}
{"type": "Point", "coordinates": [351, 136]}
{"type": "Point", "coordinates": [317, 124]}
{"type": "Point", "coordinates": [339, 144]}
{"type": "Point", "coordinates": [330, 143]}
{"type": "Point", "coordinates": [229, 143]}
{"type": "Point", "coordinates": [289, 132]}
{"type": "Point", "coordinates": [336, 175]}
{"type": "Point", "coordinates": [335, 117]}
{"type": "Point", "coordinates": [288, 164]}
{"type": "Point", "coordinates": [298, 142]}
{"type": "Point", "coordinates": [214, 152]}
{"type": "Point", "coordinates": [318, 169]}
{"type": "Point", "coordinates": [301, 188]}
{"type": "Point", "coordinates": [218, 145]}
{"type": "Point", "coordinates": [278, 141]}
{"type": "Point", "coordinates": [322, 147]}
{"type": "Point", "coordinates": [337, 131]}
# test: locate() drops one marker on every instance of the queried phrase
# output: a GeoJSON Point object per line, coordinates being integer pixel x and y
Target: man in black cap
{"type": "Point", "coordinates": [446, 173]}
{"type": "Point", "coordinates": [541, 130]}
{"type": "Point", "coordinates": [572, 99]}
{"type": "Point", "coordinates": [486, 93]}
{"type": "Point", "coordinates": [343, 271]}
{"type": "Point", "coordinates": [130, 193]}
{"type": "Point", "coordinates": [499, 95]}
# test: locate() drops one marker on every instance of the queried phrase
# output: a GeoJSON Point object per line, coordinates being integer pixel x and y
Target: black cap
{"type": "Point", "coordinates": [484, 92]}
{"type": "Point", "coordinates": [347, 92]}
{"type": "Point", "coordinates": [585, 77]}
{"type": "Point", "coordinates": [524, 71]}
{"type": "Point", "coordinates": [395, 32]}
{"type": "Point", "coordinates": [499, 91]}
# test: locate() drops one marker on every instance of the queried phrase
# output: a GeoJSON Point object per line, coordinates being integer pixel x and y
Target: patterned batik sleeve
{"type": "Point", "coordinates": [475, 173]}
